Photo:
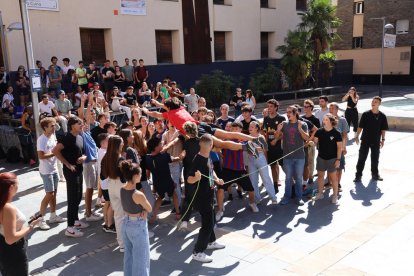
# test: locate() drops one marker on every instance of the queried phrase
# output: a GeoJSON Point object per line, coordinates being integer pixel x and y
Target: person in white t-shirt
{"type": "Point", "coordinates": [108, 212]}
{"type": "Point", "coordinates": [48, 171]}
{"type": "Point", "coordinates": [323, 103]}
{"type": "Point", "coordinates": [191, 100]}
{"type": "Point", "coordinates": [46, 106]}
{"type": "Point", "coordinates": [66, 66]}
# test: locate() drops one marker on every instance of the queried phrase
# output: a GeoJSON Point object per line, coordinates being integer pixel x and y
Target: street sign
{"type": "Point", "coordinates": [389, 40]}
{"type": "Point", "coordinates": [35, 81]}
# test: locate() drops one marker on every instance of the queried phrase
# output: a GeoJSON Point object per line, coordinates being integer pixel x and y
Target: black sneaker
{"type": "Point", "coordinates": [377, 177]}
{"type": "Point", "coordinates": [357, 179]}
{"type": "Point", "coordinates": [105, 229]}
{"type": "Point", "coordinates": [230, 197]}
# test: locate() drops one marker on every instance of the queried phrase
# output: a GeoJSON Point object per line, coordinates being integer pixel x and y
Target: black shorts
{"type": "Point", "coordinates": [163, 188]}
{"type": "Point", "coordinates": [274, 154]}
{"type": "Point", "coordinates": [244, 182]}
{"type": "Point", "coordinates": [204, 128]}
{"type": "Point", "coordinates": [105, 194]}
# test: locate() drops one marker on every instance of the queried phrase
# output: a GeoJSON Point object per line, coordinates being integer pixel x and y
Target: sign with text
{"type": "Point", "coordinates": [133, 7]}
{"type": "Point", "coordinates": [389, 40]}
{"type": "Point", "coordinates": [35, 81]}
{"type": "Point", "coordinates": [45, 5]}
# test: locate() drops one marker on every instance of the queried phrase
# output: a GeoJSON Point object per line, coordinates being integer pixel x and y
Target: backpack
{"type": "Point", "coordinates": [13, 155]}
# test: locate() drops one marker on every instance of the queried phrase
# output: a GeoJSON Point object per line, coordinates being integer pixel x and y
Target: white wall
{"type": "Point", "coordinates": [57, 33]}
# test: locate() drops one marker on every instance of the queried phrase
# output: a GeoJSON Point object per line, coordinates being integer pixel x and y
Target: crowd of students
{"type": "Point", "coordinates": [189, 156]}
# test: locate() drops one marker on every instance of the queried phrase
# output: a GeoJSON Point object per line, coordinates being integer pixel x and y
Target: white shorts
{"type": "Point", "coordinates": [90, 174]}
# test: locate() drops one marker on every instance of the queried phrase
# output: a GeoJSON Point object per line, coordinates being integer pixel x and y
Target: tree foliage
{"type": "Point", "coordinates": [296, 58]}
{"type": "Point", "coordinates": [265, 80]}
{"type": "Point", "coordinates": [216, 87]}
{"type": "Point", "coordinates": [318, 21]}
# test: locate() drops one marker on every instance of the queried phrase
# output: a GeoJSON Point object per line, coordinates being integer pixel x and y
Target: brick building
{"type": "Point", "coordinates": [361, 38]}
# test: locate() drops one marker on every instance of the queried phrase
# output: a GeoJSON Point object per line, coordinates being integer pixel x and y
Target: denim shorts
{"type": "Point", "coordinates": [50, 182]}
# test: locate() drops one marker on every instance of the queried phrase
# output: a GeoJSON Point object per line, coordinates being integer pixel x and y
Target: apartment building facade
{"type": "Point", "coordinates": [361, 38]}
{"type": "Point", "coordinates": [167, 32]}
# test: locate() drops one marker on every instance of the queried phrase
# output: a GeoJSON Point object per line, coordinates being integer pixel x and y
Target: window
{"type": "Point", "coordinates": [93, 45]}
{"type": "Point", "coordinates": [264, 45]}
{"type": "Point", "coordinates": [402, 26]}
{"type": "Point", "coordinates": [219, 46]}
{"type": "Point", "coordinates": [164, 47]}
{"type": "Point", "coordinates": [405, 56]}
{"type": "Point", "coordinates": [357, 42]}
{"type": "Point", "coordinates": [358, 7]}
{"type": "Point", "coordinates": [222, 2]}
{"type": "Point", "coordinates": [301, 5]}
{"type": "Point", "coordinates": [264, 3]}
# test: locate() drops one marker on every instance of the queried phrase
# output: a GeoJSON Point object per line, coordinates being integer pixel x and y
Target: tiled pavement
{"type": "Point", "coordinates": [371, 231]}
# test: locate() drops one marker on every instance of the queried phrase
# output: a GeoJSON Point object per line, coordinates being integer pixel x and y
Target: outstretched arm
{"type": "Point", "coordinates": [155, 114]}
{"type": "Point", "coordinates": [226, 135]}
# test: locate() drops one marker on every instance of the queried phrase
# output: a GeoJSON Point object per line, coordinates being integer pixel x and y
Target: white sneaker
{"type": "Point", "coordinates": [274, 201]}
{"type": "Point", "coordinates": [202, 257]}
{"type": "Point", "coordinates": [80, 224]}
{"type": "Point", "coordinates": [254, 207]}
{"type": "Point", "coordinates": [334, 199]}
{"type": "Point", "coordinates": [56, 219]}
{"type": "Point", "coordinates": [73, 232]}
{"type": "Point", "coordinates": [215, 245]}
{"type": "Point", "coordinates": [183, 226]}
{"type": "Point", "coordinates": [121, 249]}
{"type": "Point", "coordinates": [43, 225]}
{"type": "Point", "coordinates": [93, 217]}
{"type": "Point", "coordinates": [219, 215]}
{"type": "Point", "coordinates": [318, 196]}
{"type": "Point", "coordinates": [150, 234]}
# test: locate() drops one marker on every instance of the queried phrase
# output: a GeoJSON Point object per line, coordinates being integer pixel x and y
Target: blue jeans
{"type": "Point", "coordinates": [254, 165]}
{"type": "Point", "coordinates": [136, 244]}
{"type": "Point", "coordinates": [293, 168]}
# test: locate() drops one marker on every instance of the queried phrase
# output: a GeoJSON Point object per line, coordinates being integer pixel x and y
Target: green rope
{"type": "Point", "coordinates": [231, 181]}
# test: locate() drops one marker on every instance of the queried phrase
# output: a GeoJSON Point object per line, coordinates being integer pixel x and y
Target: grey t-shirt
{"type": "Point", "coordinates": [129, 72]}
{"type": "Point", "coordinates": [320, 113]}
{"type": "Point", "coordinates": [342, 125]}
{"type": "Point", "coordinates": [292, 140]}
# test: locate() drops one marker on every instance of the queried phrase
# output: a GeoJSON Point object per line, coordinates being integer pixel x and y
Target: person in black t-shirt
{"type": "Point", "coordinates": [373, 125]}
{"type": "Point", "coordinates": [275, 151]}
{"type": "Point", "coordinates": [237, 101]}
{"type": "Point", "coordinates": [69, 151]}
{"type": "Point", "coordinates": [130, 97]}
{"type": "Point", "coordinates": [308, 106]}
{"type": "Point", "coordinates": [203, 198]}
{"type": "Point", "coordinates": [92, 74]}
{"type": "Point", "coordinates": [102, 119]}
{"type": "Point", "coordinates": [107, 75]}
{"type": "Point", "coordinates": [329, 140]}
{"type": "Point", "coordinates": [158, 164]}
{"type": "Point", "coordinates": [247, 118]}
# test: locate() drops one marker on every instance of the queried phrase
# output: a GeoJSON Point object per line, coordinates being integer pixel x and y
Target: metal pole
{"type": "Point", "coordinates": [30, 59]}
{"type": "Point", "coordinates": [382, 56]}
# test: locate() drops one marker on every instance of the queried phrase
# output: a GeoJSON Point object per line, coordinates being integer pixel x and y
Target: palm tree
{"type": "Point", "coordinates": [296, 59]}
{"type": "Point", "coordinates": [317, 22]}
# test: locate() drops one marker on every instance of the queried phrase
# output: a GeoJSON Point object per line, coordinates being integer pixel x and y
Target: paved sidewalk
{"type": "Point", "coordinates": [371, 231]}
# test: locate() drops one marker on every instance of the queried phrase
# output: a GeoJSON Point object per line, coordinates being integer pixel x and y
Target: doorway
{"type": "Point", "coordinates": [93, 45]}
